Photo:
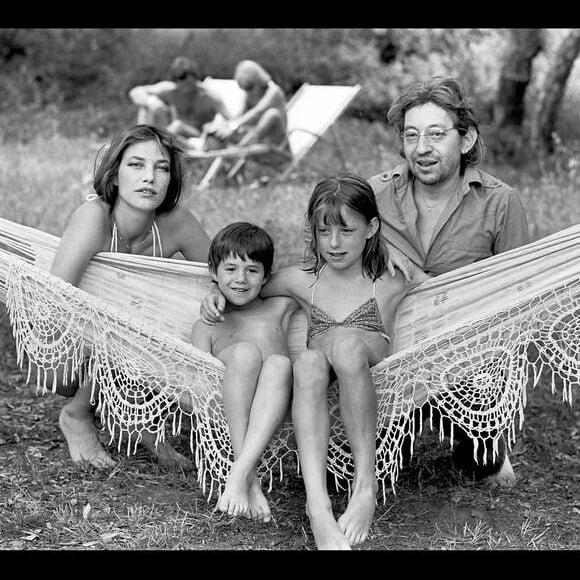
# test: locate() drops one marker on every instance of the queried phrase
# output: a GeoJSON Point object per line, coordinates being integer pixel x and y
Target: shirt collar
{"type": "Point", "coordinates": [400, 174]}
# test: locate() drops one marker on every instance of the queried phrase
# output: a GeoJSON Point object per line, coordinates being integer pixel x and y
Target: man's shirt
{"type": "Point", "coordinates": [484, 218]}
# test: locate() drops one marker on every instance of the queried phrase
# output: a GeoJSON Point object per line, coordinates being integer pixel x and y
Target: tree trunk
{"type": "Point", "coordinates": [552, 92]}
{"type": "Point", "coordinates": [509, 108]}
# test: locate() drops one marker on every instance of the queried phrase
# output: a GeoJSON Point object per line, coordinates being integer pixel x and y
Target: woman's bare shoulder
{"type": "Point", "coordinates": [90, 215]}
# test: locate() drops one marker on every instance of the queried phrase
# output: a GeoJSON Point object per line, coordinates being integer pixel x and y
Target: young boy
{"type": "Point", "coordinates": [251, 342]}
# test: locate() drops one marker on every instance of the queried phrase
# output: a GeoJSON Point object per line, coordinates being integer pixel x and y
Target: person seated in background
{"type": "Point", "coordinates": [184, 105]}
{"type": "Point", "coordinates": [263, 119]}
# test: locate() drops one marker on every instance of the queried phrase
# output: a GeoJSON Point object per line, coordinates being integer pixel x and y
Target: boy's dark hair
{"type": "Point", "coordinates": [447, 93]}
{"type": "Point", "coordinates": [109, 158]}
{"type": "Point", "coordinates": [244, 240]}
{"type": "Point", "coordinates": [326, 201]}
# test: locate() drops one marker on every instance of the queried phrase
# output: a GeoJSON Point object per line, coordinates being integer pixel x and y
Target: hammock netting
{"type": "Point", "coordinates": [468, 342]}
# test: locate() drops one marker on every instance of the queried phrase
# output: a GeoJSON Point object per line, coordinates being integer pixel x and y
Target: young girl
{"type": "Point", "coordinates": [134, 210]}
{"type": "Point", "coordinates": [350, 300]}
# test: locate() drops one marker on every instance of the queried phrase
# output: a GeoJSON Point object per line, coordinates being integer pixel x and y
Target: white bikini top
{"type": "Point", "coordinates": [154, 234]}
{"type": "Point", "coordinates": [115, 235]}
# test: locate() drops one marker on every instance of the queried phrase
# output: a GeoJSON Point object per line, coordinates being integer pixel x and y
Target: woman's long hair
{"type": "Point", "coordinates": [108, 160]}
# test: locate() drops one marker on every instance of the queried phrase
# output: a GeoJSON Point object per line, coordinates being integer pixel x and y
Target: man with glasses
{"type": "Point", "coordinates": [441, 212]}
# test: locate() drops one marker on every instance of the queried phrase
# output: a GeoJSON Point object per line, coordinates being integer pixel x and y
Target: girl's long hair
{"type": "Point", "coordinates": [328, 198]}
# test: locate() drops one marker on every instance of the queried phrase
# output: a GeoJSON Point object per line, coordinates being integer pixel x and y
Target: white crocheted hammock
{"type": "Point", "coordinates": [461, 341]}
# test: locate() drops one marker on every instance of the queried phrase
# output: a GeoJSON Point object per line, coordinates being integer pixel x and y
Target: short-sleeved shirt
{"type": "Point", "coordinates": [486, 217]}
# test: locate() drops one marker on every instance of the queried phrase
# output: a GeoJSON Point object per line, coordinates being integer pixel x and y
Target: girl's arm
{"type": "Point", "coordinates": [285, 282]}
{"type": "Point", "coordinates": [290, 281]}
{"type": "Point", "coordinates": [85, 235]}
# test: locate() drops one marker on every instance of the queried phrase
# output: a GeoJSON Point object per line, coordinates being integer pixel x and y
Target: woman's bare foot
{"type": "Point", "coordinates": [83, 441]}
{"type": "Point", "coordinates": [166, 455]}
{"type": "Point", "coordinates": [356, 521]}
{"type": "Point", "coordinates": [504, 477]}
{"type": "Point", "coordinates": [327, 533]}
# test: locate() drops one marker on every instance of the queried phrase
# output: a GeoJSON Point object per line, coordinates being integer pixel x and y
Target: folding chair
{"type": "Point", "coordinates": [312, 111]}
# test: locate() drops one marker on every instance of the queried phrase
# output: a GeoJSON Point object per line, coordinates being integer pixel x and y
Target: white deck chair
{"type": "Point", "coordinates": [312, 111]}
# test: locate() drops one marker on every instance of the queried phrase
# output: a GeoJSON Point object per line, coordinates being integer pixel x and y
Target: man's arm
{"type": "Point", "coordinates": [152, 96]}
{"type": "Point", "coordinates": [513, 231]}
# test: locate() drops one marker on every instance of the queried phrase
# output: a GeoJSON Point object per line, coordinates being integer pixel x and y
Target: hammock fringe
{"type": "Point", "coordinates": [469, 343]}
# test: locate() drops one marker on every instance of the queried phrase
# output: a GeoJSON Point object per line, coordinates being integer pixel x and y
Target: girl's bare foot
{"type": "Point", "coordinates": [356, 521]}
{"type": "Point", "coordinates": [327, 533]}
{"type": "Point", "coordinates": [83, 441]}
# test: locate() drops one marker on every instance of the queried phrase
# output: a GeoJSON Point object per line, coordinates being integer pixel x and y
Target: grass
{"type": "Point", "coordinates": [47, 504]}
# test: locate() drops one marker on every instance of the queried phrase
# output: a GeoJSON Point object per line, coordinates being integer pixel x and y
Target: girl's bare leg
{"type": "Point", "coordinates": [310, 415]}
{"type": "Point", "coordinates": [358, 406]}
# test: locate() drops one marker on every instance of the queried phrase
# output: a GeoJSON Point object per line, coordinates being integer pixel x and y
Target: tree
{"type": "Point", "coordinates": [515, 76]}
{"type": "Point", "coordinates": [551, 93]}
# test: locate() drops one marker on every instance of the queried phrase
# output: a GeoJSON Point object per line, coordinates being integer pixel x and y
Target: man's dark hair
{"type": "Point", "coordinates": [182, 68]}
{"type": "Point", "coordinates": [447, 93]}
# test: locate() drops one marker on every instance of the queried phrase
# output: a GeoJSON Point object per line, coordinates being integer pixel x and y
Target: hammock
{"type": "Point", "coordinates": [468, 341]}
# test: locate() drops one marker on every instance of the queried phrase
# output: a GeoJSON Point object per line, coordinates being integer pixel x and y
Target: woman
{"type": "Point", "coordinates": [135, 210]}
{"type": "Point", "coordinates": [263, 119]}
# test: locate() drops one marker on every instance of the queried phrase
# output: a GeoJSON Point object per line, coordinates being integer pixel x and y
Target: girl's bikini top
{"type": "Point", "coordinates": [366, 317]}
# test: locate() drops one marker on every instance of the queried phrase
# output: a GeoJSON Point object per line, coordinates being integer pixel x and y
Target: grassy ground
{"type": "Point", "coordinates": [47, 504]}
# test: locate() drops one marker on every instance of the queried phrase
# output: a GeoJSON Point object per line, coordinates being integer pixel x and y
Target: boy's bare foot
{"type": "Point", "coordinates": [83, 441]}
{"type": "Point", "coordinates": [258, 504]}
{"type": "Point", "coordinates": [235, 499]}
{"type": "Point", "coordinates": [166, 455]}
{"type": "Point", "coordinates": [327, 533]}
{"type": "Point", "coordinates": [356, 521]}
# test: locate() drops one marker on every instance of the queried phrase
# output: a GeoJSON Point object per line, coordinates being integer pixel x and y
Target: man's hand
{"type": "Point", "coordinates": [411, 272]}
{"type": "Point", "coordinates": [212, 306]}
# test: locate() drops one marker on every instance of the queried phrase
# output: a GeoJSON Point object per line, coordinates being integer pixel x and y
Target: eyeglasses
{"type": "Point", "coordinates": [411, 137]}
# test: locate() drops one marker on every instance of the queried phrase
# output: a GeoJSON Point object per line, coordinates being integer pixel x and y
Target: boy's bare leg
{"type": "Point", "coordinates": [243, 362]}
{"type": "Point", "coordinates": [358, 406]}
{"type": "Point", "coordinates": [310, 415]}
{"type": "Point", "coordinates": [267, 412]}
{"type": "Point", "coordinates": [77, 423]}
